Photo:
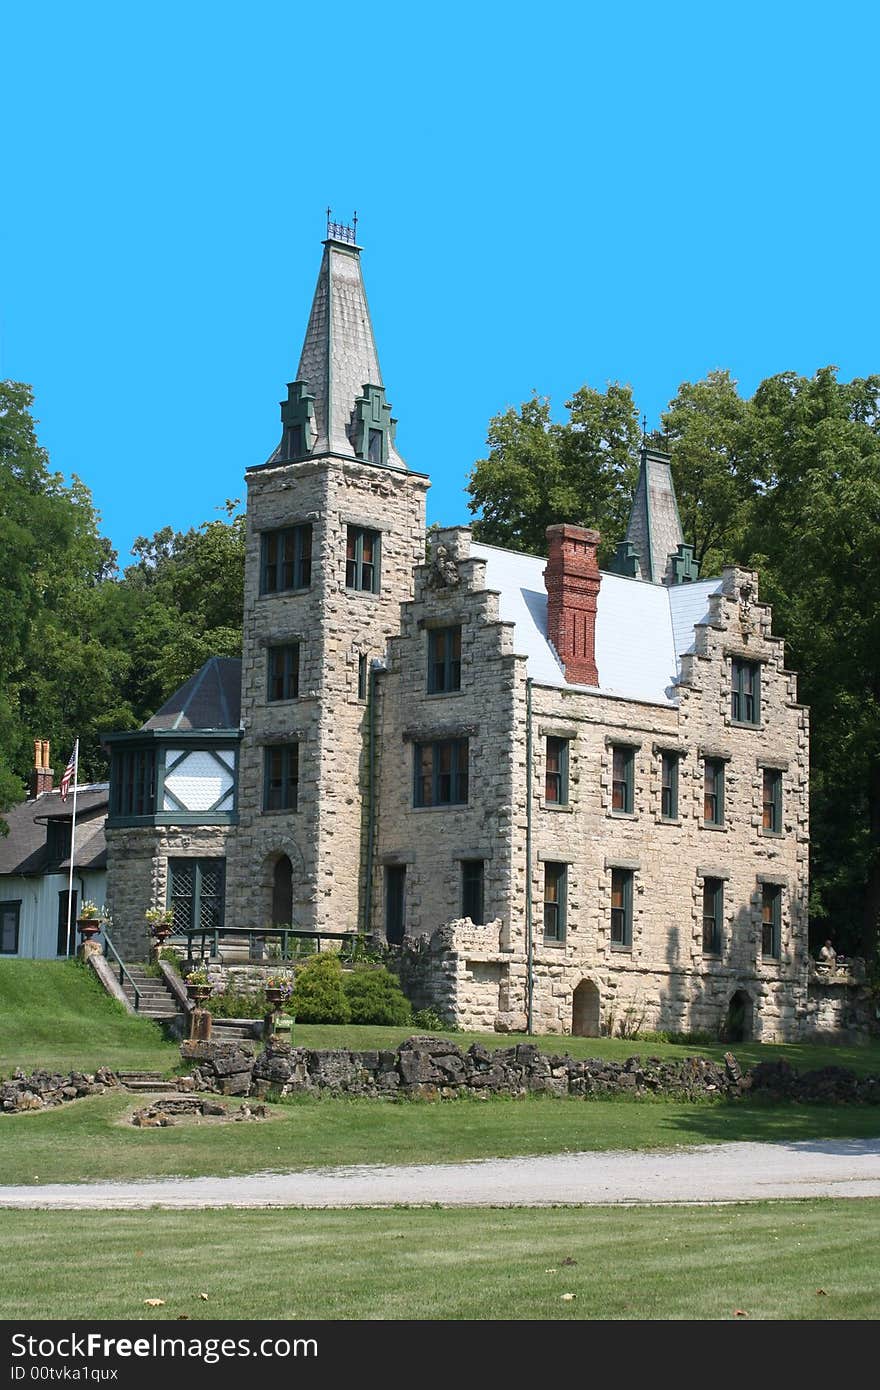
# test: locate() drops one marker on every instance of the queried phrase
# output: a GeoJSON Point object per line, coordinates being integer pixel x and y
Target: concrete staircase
{"type": "Point", "coordinates": [156, 999]}
{"type": "Point", "coordinates": [235, 1029]}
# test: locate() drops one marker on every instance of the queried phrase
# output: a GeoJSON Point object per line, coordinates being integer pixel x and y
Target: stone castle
{"type": "Point", "coordinates": [577, 800]}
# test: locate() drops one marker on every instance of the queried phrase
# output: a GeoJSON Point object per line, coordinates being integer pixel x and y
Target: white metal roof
{"type": "Point", "coordinates": [641, 628]}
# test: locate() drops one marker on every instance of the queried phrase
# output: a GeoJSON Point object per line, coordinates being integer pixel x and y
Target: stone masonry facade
{"type": "Point", "coordinates": [576, 802]}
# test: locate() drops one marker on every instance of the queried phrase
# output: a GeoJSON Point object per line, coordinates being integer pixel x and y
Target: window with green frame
{"type": "Point", "coordinates": [196, 889]}
{"type": "Point", "coordinates": [283, 671]}
{"type": "Point", "coordinates": [713, 791]}
{"type": "Point", "coordinates": [771, 800]}
{"type": "Point", "coordinates": [622, 779]}
{"type": "Point", "coordinates": [771, 920]}
{"type": "Point", "coordinates": [133, 782]}
{"type": "Point", "coordinates": [713, 910]}
{"type": "Point", "coordinates": [669, 785]}
{"type": "Point", "coordinates": [280, 776]}
{"type": "Point", "coordinates": [621, 908]}
{"type": "Point", "coordinates": [441, 772]}
{"type": "Point", "coordinates": [444, 659]}
{"type": "Point", "coordinates": [10, 916]}
{"type": "Point", "coordinates": [556, 772]}
{"type": "Point", "coordinates": [745, 691]}
{"type": "Point", "coordinates": [286, 559]}
{"type": "Point", "coordinates": [555, 904]}
{"type": "Point", "coordinates": [362, 560]}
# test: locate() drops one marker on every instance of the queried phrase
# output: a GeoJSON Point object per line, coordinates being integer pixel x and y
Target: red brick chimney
{"type": "Point", "coordinates": [42, 777]}
{"type": "Point", "coordinates": [572, 580]}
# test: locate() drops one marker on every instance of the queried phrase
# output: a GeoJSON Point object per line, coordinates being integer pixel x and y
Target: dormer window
{"type": "Point", "coordinates": [374, 449]}
{"type": "Point", "coordinates": [293, 442]}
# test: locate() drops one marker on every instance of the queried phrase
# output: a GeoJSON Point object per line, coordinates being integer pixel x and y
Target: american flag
{"type": "Point", "coordinates": [70, 771]}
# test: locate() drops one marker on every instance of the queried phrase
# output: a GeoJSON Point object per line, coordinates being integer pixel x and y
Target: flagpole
{"type": "Point", "coordinates": [72, 842]}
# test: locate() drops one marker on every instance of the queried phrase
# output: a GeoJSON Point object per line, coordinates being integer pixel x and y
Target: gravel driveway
{"type": "Point", "coordinates": [707, 1173]}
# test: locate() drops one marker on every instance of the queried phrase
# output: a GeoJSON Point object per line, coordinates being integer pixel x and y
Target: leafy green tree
{"type": "Point", "coordinates": [56, 679]}
{"type": "Point", "coordinates": [539, 472]}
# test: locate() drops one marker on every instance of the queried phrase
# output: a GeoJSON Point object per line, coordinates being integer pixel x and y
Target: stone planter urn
{"type": "Point", "coordinates": [275, 997]}
{"type": "Point", "coordinates": [88, 927]}
{"type": "Point", "coordinates": [160, 935]}
{"type": "Point", "coordinates": [198, 993]}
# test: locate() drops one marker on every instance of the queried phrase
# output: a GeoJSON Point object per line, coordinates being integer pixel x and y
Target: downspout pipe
{"type": "Point", "coordinates": [376, 669]}
{"type": "Point", "coordinates": [530, 979]}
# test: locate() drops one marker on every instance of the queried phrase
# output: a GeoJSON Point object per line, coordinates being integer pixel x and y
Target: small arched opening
{"type": "Point", "coordinates": [282, 892]}
{"type": "Point", "coordinates": [739, 1024]}
{"type": "Point", "coordinates": [585, 1010]}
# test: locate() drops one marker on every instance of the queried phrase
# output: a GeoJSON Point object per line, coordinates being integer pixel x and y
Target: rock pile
{"type": "Point", "coordinates": [168, 1111]}
{"type": "Point", "coordinates": [46, 1088]}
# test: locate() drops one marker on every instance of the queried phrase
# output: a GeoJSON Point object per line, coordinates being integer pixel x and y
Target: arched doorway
{"type": "Point", "coordinates": [739, 1024]}
{"type": "Point", "coordinates": [585, 1010]}
{"type": "Point", "coordinates": [282, 892]}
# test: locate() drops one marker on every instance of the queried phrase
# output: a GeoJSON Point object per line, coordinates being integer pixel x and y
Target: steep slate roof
{"type": "Point", "coordinates": [211, 699]}
{"type": "Point", "coordinates": [23, 850]}
{"type": "Point", "coordinates": [641, 629]}
{"type": "Point", "coordinates": [654, 528]}
{"type": "Point", "coordinates": [339, 356]}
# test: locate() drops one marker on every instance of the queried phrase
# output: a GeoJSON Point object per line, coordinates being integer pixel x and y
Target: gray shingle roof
{"type": "Point", "coordinates": [23, 850]}
{"type": "Point", "coordinates": [211, 699]}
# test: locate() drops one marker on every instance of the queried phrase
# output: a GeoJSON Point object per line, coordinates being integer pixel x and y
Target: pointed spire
{"type": "Point", "coordinates": [654, 545]}
{"type": "Point", "coordinates": [337, 403]}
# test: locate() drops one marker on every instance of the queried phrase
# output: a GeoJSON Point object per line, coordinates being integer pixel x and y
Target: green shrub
{"type": "Point", "coordinates": [231, 1003]}
{"type": "Point", "coordinates": [430, 1020]}
{"type": "Point", "coordinates": [318, 993]}
{"type": "Point", "coordinates": [375, 996]}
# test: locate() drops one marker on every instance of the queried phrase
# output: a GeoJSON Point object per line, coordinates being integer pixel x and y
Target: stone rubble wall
{"type": "Point", "coordinates": [43, 1089]}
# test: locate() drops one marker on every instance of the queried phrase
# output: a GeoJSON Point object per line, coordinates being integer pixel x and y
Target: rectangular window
{"type": "Point", "coordinates": [669, 786]}
{"type": "Point", "coordinates": [444, 659]}
{"type": "Point", "coordinates": [745, 691]}
{"type": "Point", "coordinates": [362, 560]}
{"type": "Point", "coordinates": [196, 893]}
{"type": "Point", "coordinates": [556, 773]}
{"type": "Point", "coordinates": [555, 879]}
{"type": "Point", "coordinates": [133, 782]}
{"type": "Point", "coordinates": [771, 920]}
{"type": "Point", "coordinates": [281, 777]}
{"type": "Point", "coordinates": [472, 878]}
{"type": "Point", "coordinates": [395, 903]}
{"type": "Point", "coordinates": [441, 772]}
{"type": "Point", "coordinates": [294, 441]}
{"type": "Point", "coordinates": [622, 779]}
{"type": "Point", "coordinates": [375, 446]}
{"type": "Point", "coordinates": [10, 913]}
{"type": "Point", "coordinates": [362, 676]}
{"type": "Point", "coordinates": [771, 815]}
{"type": "Point", "coordinates": [713, 791]}
{"type": "Point", "coordinates": [713, 908]}
{"type": "Point", "coordinates": [283, 672]}
{"type": "Point", "coordinates": [286, 559]}
{"type": "Point", "coordinates": [621, 907]}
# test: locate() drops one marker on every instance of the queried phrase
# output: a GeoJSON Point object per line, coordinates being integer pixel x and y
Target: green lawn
{"type": "Point", "coordinates": [55, 1014]}
{"type": "Point", "coordinates": [89, 1139]}
{"type": "Point", "coordinates": [769, 1261]}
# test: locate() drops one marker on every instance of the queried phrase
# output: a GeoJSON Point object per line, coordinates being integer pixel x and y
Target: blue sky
{"type": "Point", "coordinates": [548, 195]}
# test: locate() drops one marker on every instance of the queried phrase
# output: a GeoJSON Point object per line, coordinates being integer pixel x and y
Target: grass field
{"type": "Point", "coordinates": [791, 1260]}
{"type": "Point", "coordinates": [55, 1014]}
{"type": "Point", "coordinates": [89, 1139]}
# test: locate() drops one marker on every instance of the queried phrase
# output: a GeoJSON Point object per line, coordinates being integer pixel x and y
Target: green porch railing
{"type": "Point", "coordinates": [123, 973]}
{"type": "Point", "coordinates": [256, 939]}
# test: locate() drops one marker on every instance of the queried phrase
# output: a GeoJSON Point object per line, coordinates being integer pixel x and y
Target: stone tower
{"type": "Point", "coordinates": [335, 527]}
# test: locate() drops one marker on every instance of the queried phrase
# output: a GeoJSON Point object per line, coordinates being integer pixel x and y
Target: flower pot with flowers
{"type": "Point", "coordinates": [90, 920]}
{"type": "Point", "coordinates": [278, 990]}
{"type": "Point", "coordinates": [160, 920]}
{"type": "Point", "coordinates": [198, 986]}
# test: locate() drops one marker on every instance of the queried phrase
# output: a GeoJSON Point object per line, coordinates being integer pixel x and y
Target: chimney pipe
{"type": "Point", "coordinates": [42, 777]}
{"type": "Point", "coordinates": [572, 582]}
